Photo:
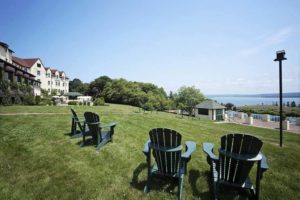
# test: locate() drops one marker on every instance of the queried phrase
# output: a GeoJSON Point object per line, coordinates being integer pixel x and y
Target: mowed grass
{"type": "Point", "coordinates": [38, 160]}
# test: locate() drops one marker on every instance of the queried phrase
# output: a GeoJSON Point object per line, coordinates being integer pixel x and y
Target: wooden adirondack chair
{"type": "Point", "coordinates": [76, 122]}
{"type": "Point", "coordinates": [237, 155]}
{"type": "Point", "coordinates": [96, 131]}
{"type": "Point", "coordinates": [170, 160]}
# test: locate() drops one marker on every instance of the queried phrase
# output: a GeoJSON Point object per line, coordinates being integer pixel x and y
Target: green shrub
{"type": "Point", "coordinates": [22, 87]}
{"type": "Point", "coordinates": [80, 103]}
{"type": "Point", "coordinates": [6, 100]}
{"type": "Point", "coordinates": [88, 103]}
{"type": "Point", "coordinates": [29, 100]}
{"type": "Point", "coordinates": [72, 103]}
{"type": "Point", "coordinates": [14, 86]}
{"type": "Point", "coordinates": [18, 100]}
{"type": "Point", "coordinates": [4, 84]}
{"type": "Point", "coordinates": [29, 89]}
{"type": "Point", "coordinates": [45, 101]}
{"type": "Point", "coordinates": [99, 102]}
{"type": "Point", "coordinates": [37, 100]}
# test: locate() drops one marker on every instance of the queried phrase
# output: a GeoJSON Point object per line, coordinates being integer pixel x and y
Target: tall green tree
{"type": "Point", "coordinates": [97, 86]}
{"type": "Point", "coordinates": [188, 98]}
{"type": "Point", "coordinates": [76, 85]}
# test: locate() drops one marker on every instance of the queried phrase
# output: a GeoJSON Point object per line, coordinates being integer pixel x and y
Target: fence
{"type": "Point", "coordinates": [232, 114]}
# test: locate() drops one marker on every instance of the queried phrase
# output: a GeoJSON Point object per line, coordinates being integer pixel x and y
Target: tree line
{"type": "Point", "coordinates": [144, 95]}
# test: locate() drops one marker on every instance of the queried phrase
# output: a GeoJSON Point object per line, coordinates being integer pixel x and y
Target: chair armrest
{"type": "Point", "coordinates": [78, 120]}
{"type": "Point", "coordinates": [190, 148]}
{"type": "Point", "coordinates": [246, 157]}
{"type": "Point", "coordinates": [178, 148]}
{"type": "Point", "coordinates": [113, 124]}
{"type": "Point", "coordinates": [93, 123]}
{"type": "Point", "coordinates": [208, 149]}
{"type": "Point", "coordinates": [146, 147]}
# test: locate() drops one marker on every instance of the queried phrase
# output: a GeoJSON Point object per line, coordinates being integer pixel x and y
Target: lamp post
{"type": "Point", "coordinates": [280, 57]}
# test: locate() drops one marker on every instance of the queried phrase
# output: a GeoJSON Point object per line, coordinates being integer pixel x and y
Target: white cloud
{"type": "Point", "coordinates": [269, 39]}
{"type": "Point", "coordinates": [280, 36]}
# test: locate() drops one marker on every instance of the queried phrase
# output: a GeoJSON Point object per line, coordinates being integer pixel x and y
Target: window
{"type": "Point", "coordinates": [6, 76]}
{"type": "Point", "coordinates": [202, 111]}
{"type": "Point", "coordinates": [56, 76]}
{"type": "Point", "coordinates": [10, 76]}
{"type": "Point", "coordinates": [48, 89]}
{"type": "Point", "coordinates": [19, 79]}
{"type": "Point", "coordinates": [38, 73]}
{"type": "Point", "coordinates": [47, 75]}
{"type": "Point", "coordinates": [38, 65]}
{"type": "Point", "coordinates": [48, 82]}
{"type": "Point", "coordinates": [63, 84]}
{"type": "Point", "coordinates": [39, 80]}
{"type": "Point", "coordinates": [219, 114]}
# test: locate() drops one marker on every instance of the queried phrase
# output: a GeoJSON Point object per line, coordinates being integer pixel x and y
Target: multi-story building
{"type": "Point", "coordinates": [51, 80]}
{"type": "Point", "coordinates": [13, 73]}
{"type": "Point", "coordinates": [31, 71]}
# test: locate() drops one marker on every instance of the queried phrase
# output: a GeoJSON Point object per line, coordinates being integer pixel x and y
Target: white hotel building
{"type": "Point", "coordinates": [51, 79]}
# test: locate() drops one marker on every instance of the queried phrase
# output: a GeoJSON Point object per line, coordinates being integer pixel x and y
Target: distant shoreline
{"type": "Point", "coordinates": [273, 95]}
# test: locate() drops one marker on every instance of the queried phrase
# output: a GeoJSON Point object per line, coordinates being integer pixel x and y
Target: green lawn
{"type": "Point", "coordinates": [38, 160]}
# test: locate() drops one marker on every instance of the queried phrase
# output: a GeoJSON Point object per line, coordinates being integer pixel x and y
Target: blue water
{"type": "Point", "coordinates": [242, 101]}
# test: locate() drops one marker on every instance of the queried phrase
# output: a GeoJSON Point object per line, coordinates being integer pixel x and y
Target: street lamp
{"type": "Point", "coordinates": [280, 57]}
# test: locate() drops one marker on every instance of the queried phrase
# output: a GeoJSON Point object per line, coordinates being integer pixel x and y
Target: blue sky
{"type": "Point", "coordinates": [220, 47]}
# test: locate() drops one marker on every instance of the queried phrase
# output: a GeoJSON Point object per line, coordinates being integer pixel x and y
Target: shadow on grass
{"type": "Point", "coordinates": [88, 142]}
{"type": "Point", "coordinates": [226, 192]}
{"type": "Point", "coordinates": [194, 175]}
{"type": "Point", "coordinates": [158, 183]}
{"type": "Point", "coordinates": [72, 135]}
{"type": "Point", "coordinates": [68, 134]}
{"type": "Point", "coordinates": [135, 177]}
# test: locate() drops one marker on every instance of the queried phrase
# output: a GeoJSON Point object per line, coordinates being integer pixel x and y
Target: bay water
{"type": "Point", "coordinates": [242, 101]}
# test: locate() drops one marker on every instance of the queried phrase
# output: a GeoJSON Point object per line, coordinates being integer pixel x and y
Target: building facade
{"type": "Point", "coordinates": [52, 80]}
{"type": "Point", "coordinates": [13, 76]}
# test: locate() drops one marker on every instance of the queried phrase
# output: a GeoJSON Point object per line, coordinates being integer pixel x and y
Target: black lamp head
{"type": "Point", "coordinates": [280, 55]}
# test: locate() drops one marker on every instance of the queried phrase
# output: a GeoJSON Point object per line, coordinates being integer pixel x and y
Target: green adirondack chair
{"type": "Point", "coordinates": [76, 122]}
{"type": "Point", "coordinates": [170, 160]}
{"type": "Point", "coordinates": [237, 155]}
{"type": "Point", "coordinates": [96, 130]}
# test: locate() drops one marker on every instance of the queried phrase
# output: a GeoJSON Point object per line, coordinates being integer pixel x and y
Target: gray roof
{"type": "Point", "coordinates": [210, 104]}
{"type": "Point", "coordinates": [73, 94]}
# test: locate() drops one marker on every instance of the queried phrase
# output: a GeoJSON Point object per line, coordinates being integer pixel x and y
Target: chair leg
{"type": "Point", "coordinates": [258, 177]}
{"type": "Point", "coordinates": [72, 126]}
{"type": "Point", "coordinates": [149, 178]}
{"type": "Point", "coordinates": [180, 187]}
{"type": "Point", "coordinates": [148, 185]}
{"type": "Point", "coordinates": [83, 141]}
{"type": "Point", "coordinates": [216, 190]}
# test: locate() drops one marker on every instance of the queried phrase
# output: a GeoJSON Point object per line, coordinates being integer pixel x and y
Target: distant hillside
{"type": "Point", "coordinates": [271, 95]}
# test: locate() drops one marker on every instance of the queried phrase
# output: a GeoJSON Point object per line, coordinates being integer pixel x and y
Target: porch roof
{"type": "Point", "coordinates": [210, 104]}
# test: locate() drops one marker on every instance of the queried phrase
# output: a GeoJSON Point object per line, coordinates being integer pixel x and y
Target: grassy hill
{"type": "Point", "coordinates": [38, 160]}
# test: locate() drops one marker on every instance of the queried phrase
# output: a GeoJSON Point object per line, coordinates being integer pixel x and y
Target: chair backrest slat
{"type": "Point", "coordinates": [162, 140]}
{"type": "Point", "coordinates": [77, 119]}
{"type": "Point", "coordinates": [93, 122]}
{"type": "Point", "coordinates": [234, 170]}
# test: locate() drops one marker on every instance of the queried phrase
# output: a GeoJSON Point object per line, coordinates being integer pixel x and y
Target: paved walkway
{"type": "Point", "coordinates": [264, 124]}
